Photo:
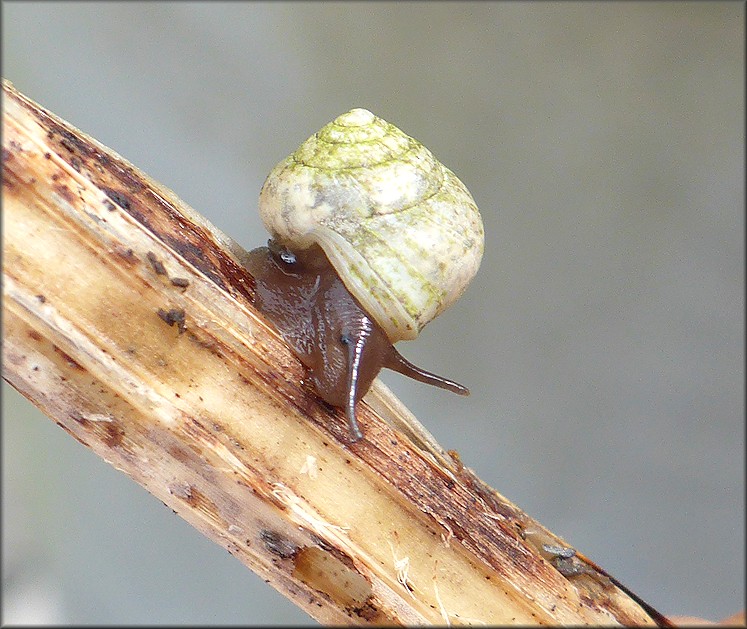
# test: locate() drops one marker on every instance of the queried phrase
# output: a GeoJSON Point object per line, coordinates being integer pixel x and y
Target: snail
{"type": "Point", "coordinates": [372, 238]}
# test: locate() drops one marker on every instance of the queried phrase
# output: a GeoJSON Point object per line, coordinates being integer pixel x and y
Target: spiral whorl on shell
{"type": "Point", "coordinates": [403, 233]}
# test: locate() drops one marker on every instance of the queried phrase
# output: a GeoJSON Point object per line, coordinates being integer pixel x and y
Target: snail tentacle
{"type": "Point", "coordinates": [397, 362]}
{"type": "Point", "coordinates": [355, 345]}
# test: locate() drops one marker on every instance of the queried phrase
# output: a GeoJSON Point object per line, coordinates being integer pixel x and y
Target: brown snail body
{"type": "Point", "coordinates": [341, 345]}
{"type": "Point", "coordinates": [372, 238]}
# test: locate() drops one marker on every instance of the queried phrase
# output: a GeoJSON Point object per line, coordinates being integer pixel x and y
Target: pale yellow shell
{"type": "Point", "coordinates": [402, 231]}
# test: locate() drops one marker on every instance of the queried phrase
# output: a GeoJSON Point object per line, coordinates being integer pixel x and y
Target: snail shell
{"type": "Point", "coordinates": [400, 229]}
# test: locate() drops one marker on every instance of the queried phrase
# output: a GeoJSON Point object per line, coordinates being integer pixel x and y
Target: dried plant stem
{"type": "Point", "coordinates": [128, 321]}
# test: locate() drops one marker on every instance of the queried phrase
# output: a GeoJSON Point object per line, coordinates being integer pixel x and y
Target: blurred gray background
{"type": "Point", "coordinates": [603, 338]}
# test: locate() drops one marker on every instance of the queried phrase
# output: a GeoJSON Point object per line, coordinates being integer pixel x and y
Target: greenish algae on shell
{"type": "Point", "coordinates": [402, 231]}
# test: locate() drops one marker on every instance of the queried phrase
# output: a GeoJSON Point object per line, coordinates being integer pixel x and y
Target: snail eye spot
{"type": "Point", "coordinates": [279, 252]}
{"type": "Point", "coordinates": [346, 339]}
{"type": "Point", "coordinates": [287, 257]}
